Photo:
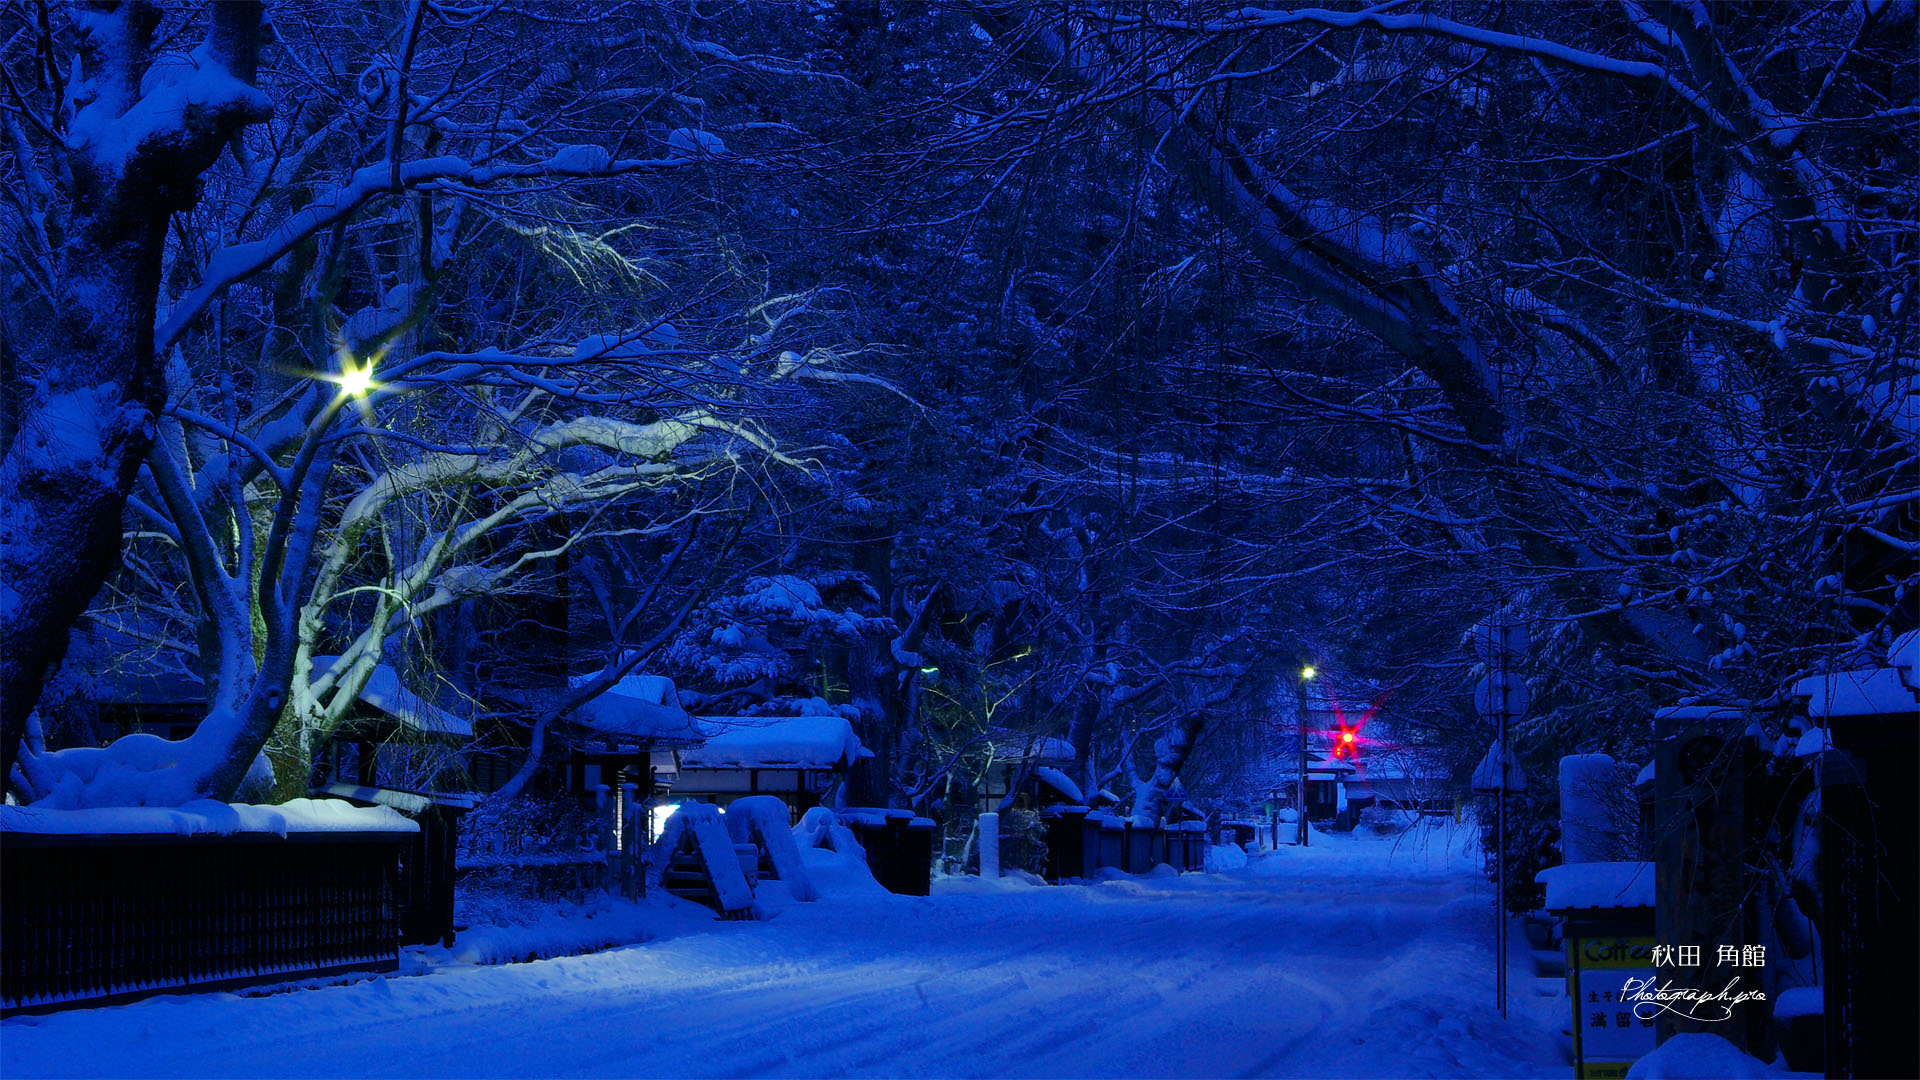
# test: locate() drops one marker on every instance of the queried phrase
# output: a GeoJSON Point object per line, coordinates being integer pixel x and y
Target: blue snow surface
{"type": "Point", "coordinates": [1358, 956]}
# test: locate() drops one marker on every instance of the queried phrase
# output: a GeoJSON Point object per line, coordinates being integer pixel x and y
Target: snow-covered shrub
{"type": "Point", "coordinates": [520, 855]}
{"type": "Point", "coordinates": [1023, 842]}
{"type": "Point", "coordinates": [527, 825]}
{"type": "Point", "coordinates": [1386, 820]}
{"type": "Point", "coordinates": [1533, 844]}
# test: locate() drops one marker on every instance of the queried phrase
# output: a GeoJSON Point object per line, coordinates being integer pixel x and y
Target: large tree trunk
{"type": "Point", "coordinates": [89, 388]}
{"type": "Point", "coordinates": [1169, 757]}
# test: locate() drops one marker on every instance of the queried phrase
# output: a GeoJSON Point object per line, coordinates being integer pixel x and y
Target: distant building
{"type": "Point", "coordinates": [801, 759]}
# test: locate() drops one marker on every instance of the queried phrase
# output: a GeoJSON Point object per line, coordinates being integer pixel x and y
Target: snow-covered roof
{"type": "Point", "coordinates": [385, 693]}
{"type": "Point", "coordinates": [775, 742]}
{"type": "Point", "coordinates": [640, 708]}
{"type": "Point", "coordinates": [1904, 654]}
{"type": "Point", "coordinates": [1863, 692]}
{"type": "Point", "coordinates": [1686, 713]}
{"type": "Point", "coordinates": [1597, 885]}
{"type": "Point", "coordinates": [1017, 745]}
{"type": "Point", "coordinates": [206, 818]}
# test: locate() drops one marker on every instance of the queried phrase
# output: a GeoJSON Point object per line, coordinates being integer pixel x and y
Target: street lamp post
{"type": "Point", "coordinates": [1300, 790]}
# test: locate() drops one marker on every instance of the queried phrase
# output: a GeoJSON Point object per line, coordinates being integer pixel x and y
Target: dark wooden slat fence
{"type": "Point", "coordinates": [93, 919]}
{"type": "Point", "coordinates": [1080, 844]}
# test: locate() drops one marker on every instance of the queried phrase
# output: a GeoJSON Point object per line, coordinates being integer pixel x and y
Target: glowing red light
{"type": "Point", "coordinates": [1346, 736]}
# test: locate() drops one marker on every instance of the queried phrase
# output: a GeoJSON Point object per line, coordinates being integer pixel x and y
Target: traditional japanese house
{"type": "Point", "coordinates": [631, 734]}
{"type": "Point", "coordinates": [1029, 767]}
{"type": "Point", "coordinates": [395, 738]}
{"type": "Point", "coordinates": [798, 758]}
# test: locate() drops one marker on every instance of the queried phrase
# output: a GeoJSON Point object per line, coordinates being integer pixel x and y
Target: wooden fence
{"type": "Point", "coordinates": [899, 848]}
{"type": "Point", "coordinates": [93, 919]}
{"type": "Point", "coordinates": [1080, 844]}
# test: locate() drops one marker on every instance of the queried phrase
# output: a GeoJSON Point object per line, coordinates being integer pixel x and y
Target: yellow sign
{"type": "Point", "coordinates": [1621, 952]}
{"type": "Point", "coordinates": [1608, 1035]}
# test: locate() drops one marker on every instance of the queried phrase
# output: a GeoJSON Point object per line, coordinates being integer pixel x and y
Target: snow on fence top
{"type": "Point", "coordinates": [1598, 885]}
{"type": "Point", "coordinates": [1681, 714]}
{"type": "Point", "coordinates": [207, 818]}
{"type": "Point", "coordinates": [1865, 692]}
{"type": "Point", "coordinates": [775, 742]}
{"type": "Point", "coordinates": [385, 693]}
{"type": "Point", "coordinates": [642, 708]}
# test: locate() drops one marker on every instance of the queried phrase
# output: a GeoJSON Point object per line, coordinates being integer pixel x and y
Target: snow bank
{"type": "Point", "coordinates": [1799, 1001]}
{"type": "Point", "coordinates": [819, 827]}
{"type": "Point", "coordinates": [1347, 965]}
{"type": "Point", "coordinates": [1225, 857]}
{"type": "Point", "coordinates": [840, 874]}
{"type": "Point", "coordinates": [1702, 1056]}
{"type": "Point", "coordinates": [554, 930]}
{"type": "Point", "coordinates": [207, 818]}
{"type": "Point", "coordinates": [1598, 885]}
{"type": "Point", "coordinates": [836, 864]}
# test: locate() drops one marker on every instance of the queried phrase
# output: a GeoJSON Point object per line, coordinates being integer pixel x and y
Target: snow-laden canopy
{"type": "Point", "coordinates": [385, 693]}
{"type": "Point", "coordinates": [776, 742]}
{"type": "Point", "coordinates": [640, 708]}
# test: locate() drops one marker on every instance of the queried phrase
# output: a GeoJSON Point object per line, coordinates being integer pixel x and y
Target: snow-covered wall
{"type": "Point", "coordinates": [207, 818]}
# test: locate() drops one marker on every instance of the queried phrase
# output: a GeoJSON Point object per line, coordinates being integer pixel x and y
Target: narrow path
{"type": "Point", "coordinates": [1351, 960]}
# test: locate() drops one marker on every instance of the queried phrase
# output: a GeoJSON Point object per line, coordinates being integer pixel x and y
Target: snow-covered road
{"type": "Point", "coordinates": [1346, 959]}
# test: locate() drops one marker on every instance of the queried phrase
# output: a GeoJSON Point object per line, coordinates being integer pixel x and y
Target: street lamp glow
{"type": "Point", "coordinates": [1308, 672]}
{"type": "Point", "coordinates": [356, 380]}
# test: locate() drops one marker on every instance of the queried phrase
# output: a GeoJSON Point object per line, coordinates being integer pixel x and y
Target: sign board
{"type": "Point", "coordinates": [1502, 693]}
{"type": "Point", "coordinates": [1491, 640]}
{"type": "Point", "coordinates": [1607, 1036]}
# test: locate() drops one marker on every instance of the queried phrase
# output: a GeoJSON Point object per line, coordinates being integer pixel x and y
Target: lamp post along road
{"type": "Point", "coordinates": [1300, 789]}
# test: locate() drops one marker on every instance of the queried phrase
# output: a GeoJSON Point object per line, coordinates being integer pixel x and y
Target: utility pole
{"type": "Point", "coordinates": [1499, 697]}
